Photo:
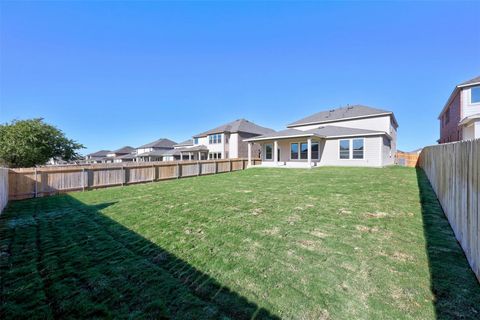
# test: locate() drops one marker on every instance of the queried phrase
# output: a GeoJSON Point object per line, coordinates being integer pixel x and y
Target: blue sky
{"type": "Point", "coordinates": [111, 74]}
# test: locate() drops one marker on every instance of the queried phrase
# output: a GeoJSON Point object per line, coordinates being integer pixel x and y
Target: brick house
{"type": "Point", "coordinates": [460, 117]}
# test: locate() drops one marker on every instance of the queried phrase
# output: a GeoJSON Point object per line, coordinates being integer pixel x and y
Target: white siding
{"type": "Point", "coordinates": [468, 108]}
{"type": "Point", "coordinates": [233, 146]}
{"type": "Point", "coordinates": [216, 147]}
{"type": "Point", "coordinates": [472, 131]}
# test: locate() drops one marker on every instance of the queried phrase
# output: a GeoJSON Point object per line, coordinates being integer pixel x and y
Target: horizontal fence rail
{"type": "Point", "coordinates": [27, 183]}
{"type": "Point", "coordinates": [3, 188]}
{"type": "Point", "coordinates": [454, 173]}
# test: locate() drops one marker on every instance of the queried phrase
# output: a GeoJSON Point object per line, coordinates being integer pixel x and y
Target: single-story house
{"type": "Point", "coordinates": [354, 135]}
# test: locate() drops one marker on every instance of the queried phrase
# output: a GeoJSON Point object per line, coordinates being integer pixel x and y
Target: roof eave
{"type": "Point", "coordinates": [282, 137]}
{"type": "Point", "coordinates": [291, 125]}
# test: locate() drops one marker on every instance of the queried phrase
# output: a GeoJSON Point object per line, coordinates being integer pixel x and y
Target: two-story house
{"type": "Point", "coordinates": [227, 141]}
{"type": "Point", "coordinates": [350, 136]}
{"type": "Point", "coordinates": [97, 157]}
{"type": "Point", "coordinates": [155, 151]}
{"type": "Point", "coordinates": [460, 117]}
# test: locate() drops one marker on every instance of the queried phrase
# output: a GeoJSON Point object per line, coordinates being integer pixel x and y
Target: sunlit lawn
{"type": "Point", "coordinates": [326, 243]}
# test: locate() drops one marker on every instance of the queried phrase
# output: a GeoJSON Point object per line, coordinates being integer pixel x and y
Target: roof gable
{"type": "Point", "coordinates": [124, 150]}
{"type": "Point", "coordinates": [160, 143]}
{"type": "Point", "coordinates": [340, 114]}
{"type": "Point", "coordinates": [240, 125]}
{"type": "Point", "coordinates": [101, 153]}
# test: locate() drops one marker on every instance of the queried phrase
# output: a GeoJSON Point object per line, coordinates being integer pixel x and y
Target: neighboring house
{"type": "Point", "coordinates": [97, 157]}
{"type": "Point", "coordinates": [226, 141]}
{"type": "Point", "coordinates": [460, 117]}
{"type": "Point", "coordinates": [155, 151]}
{"type": "Point", "coordinates": [124, 154]}
{"type": "Point", "coordinates": [350, 136]}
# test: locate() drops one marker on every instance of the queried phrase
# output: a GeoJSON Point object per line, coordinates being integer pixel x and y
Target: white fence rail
{"type": "Point", "coordinates": [454, 173]}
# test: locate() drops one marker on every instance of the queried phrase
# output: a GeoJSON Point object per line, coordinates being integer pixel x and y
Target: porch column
{"type": "Point", "coordinates": [249, 154]}
{"type": "Point", "coordinates": [199, 156]}
{"type": "Point", "coordinates": [275, 152]}
{"type": "Point", "coordinates": [309, 152]}
{"type": "Point", "coordinates": [189, 156]}
{"type": "Point", "coordinates": [181, 156]}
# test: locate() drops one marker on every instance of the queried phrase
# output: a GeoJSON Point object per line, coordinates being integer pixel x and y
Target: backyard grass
{"type": "Point", "coordinates": [327, 243]}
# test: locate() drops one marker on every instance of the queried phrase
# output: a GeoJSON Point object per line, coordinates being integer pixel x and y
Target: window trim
{"type": "Point", "coordinates": [298, 153]}
{"type": "Point", "coordinates": [265, 157]}
{"type": "Point", "coordinates": [350, 151]}
{"type": "Point", "coordinates": [471, 102]}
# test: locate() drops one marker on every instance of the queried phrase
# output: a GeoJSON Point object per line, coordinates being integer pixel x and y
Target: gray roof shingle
{"type": "Point", "coordinates": [471, 81]}
{"type": "Point", "coordinates": [101, 153]}
{"type": "Point", "coordinates": [340, 113]}
{"type": "Point", "coordinates": [188, 142]}
{"type": "Point", "coordinates": [240, 125]}
{"type": "Point", "coordinates": [124, 150]}
{"type": "Point", "coordinates": [160, 143]}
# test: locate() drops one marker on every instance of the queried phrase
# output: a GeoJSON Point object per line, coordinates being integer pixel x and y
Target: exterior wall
{"type": "Point", "coordinates": [472, 131]}
{"type": "Point", "coordinates": [243, 146]}
{"type": "Point", "coordinates": [381, 123]}
{"type": "Point", "coordinates": [217, 147]}
{"type": "Point", "coordinates": [468, 108]}
{"type": "Point", "coordinates": [372, 153]}
{"type": "Point", "coordinates": [388, 154]}
{"type": "Point", "coordinates": [233, 145]}
{"type": "Point", "coordinates": [450, 131]}
{"type": "Point", "coordinates": [375, 153]}
{"type": "Point", "coordinates": [143, 150]}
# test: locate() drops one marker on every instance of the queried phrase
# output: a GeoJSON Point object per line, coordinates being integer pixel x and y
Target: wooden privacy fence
{"type": "Point", "coordinates": [407, 159]}
{"type": "Point", "coordinates": [3, 188]}
{"type": "Point", "coordinates": [38, 182]}
{"type": "Point", "coordinates": [454, 172]}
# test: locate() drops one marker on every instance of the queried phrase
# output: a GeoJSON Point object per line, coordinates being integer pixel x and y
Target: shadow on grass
{"type": "Point", "coordinates": [63, 259]}
{"type": "Point", "coordinates": [453, 283]}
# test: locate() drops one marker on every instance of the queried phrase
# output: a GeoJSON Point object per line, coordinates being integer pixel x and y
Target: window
{"type": "Point", "coordinates": [215, 138]}
{"type": "Point", "coordinates": [357, 148]}
{"type": "Point", "coordinates": [195, 140]}
{"type": "Point", "coordinates": [303, 150]}
{"type": "Point", "coordinates": [215, 155]}
{"type": "Point", "coordinates": [294, 151]}
{"type": "Point", "coordinates": [344, 149]}
{"type": "Point", "coordinates": [475, 94]}
{"type": "Point", "coordinates": [268, 152]}
{"type": "Point", "coordinates": [314, 150]}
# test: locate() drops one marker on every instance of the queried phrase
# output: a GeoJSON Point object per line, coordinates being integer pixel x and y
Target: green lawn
{"type": "Point", "coordinates": [327, 243]}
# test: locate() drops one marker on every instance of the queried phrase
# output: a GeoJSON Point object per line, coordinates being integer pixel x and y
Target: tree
{"type": "Point", "coordinates": [26, 143]}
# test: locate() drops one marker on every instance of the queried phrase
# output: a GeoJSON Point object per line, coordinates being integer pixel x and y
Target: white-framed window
{"type": "Point", "coordinates": [299, 150]}
{"type": "Point", "coordinates": [293, 151]}
{"type": "Point", "coordinates": [195, 140]}
{"type": "Point", "coordinates": [215, 138]}
{"type": "Point", "coordinates": [344, 149]}
{"type": "Point", "coordinates": [351, 149]}
{"type": "Point", "coordinates": [215, 155]}
{"type": "Point", "coordinates": [269, 151]}
{"type": "Point", "coordinates": [475, 94]}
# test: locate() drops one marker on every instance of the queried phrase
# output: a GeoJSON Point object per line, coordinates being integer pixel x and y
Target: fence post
{"type": "Point", "coordinates": [83, 178]}
{"type": "Point", "coordinates": [230, 161]}
{"type": "Point", "coordinates": [153, 172]}
{"type": "Point", "coordinates": [199, 168]}
{"type": "Point", "coordinates": [35, 186]}
{"type": "Point", "coordinates": [216, 166]}
{"type": "Point", "coordinates": [124, 176]}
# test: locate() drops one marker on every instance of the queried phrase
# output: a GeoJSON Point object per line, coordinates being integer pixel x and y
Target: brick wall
{"type": "Point", "coordinates": [451, 131]}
